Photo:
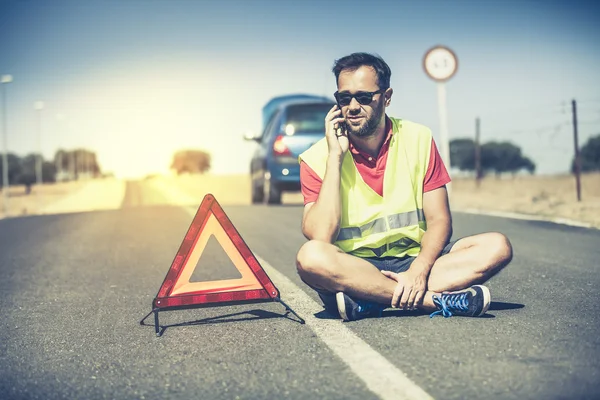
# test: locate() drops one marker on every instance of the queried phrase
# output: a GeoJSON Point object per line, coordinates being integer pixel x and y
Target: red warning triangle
{"type": "Point", "coordinates": [177, 290]}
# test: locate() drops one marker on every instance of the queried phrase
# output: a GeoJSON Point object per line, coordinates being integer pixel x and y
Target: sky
{"type": "Point", "coordinates": [137, 80]}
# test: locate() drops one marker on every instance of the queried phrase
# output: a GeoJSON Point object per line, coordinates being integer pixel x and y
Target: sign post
{"type": "Point", "coordinates": [440, 64]}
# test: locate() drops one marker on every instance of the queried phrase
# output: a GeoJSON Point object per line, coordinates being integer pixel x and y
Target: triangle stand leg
{"type": "Point", "coordinates": [289, 309]}
{"type": "Point", "coordinates": [156, 324]}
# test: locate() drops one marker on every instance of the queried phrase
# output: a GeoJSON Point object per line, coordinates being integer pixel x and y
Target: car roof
{"type": "Point", "coordinates": [293, 97]}
{"type": "Point", "coordinates": [304, 101]}
{"type": "Point", "coordinates": [277, 104]}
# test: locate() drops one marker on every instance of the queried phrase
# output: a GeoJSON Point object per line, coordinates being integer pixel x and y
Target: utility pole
{"type": "Point", "coordinates": [4, 80]}
{"type": "Point", "coordinates": [61, 155]}
{"type": "Point", "coordinates": [73, 165]}
{"type": "Point", "coordinates": [478, 173]}
{"type": "Point", "coordinates": [577, 157]}
{"type": "Point", "coordinates": [88, 169]}
{"type": "Point", "coordinates": [39, 106]}
{"type": "Point", "coordinates": [58, 176]}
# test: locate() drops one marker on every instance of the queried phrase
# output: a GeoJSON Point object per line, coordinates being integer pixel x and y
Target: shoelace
{"type": "Point", "coordinates": [448, 303]}
{"type": "Point", "coordinates": [368, 307]}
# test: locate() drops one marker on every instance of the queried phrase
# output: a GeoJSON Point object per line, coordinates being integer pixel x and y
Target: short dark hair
{"type": "Point", "coordinates": [354, 61]}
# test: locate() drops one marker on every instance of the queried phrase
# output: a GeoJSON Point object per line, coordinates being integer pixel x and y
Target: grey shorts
{"type": "Point", "coordinates": [398, 265]}
{"type": "Point", "coordinates": [393, 264]}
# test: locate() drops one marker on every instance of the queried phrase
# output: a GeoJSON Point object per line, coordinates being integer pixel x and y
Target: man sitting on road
{"type": "Point", "coordinates": [377, 216]}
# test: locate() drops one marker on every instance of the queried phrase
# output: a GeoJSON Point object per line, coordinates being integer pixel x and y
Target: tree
{"type": "Point", "coordinates": [61, 159]}
{"type": "Point", "coordinates": [496, 157]}
{"type": "Point", "coordinates": [73, 163]}
{"type": "Point", "coordinates": [27, 174]}
{"type": "Point", "coordinates": [191, 161]}
{"type": "Point", "coordinates": [504, 157]}
{"type": "Point", "coordinates": [589, 155]}
{"type": "Point", "coordinates": [48, 171]}
{"type": "Point", "coordinates": [22, 170]}
{"type": "Point", "coordinates": [462, 154]}
{"type": "Point", "coordinates": [14, 168]}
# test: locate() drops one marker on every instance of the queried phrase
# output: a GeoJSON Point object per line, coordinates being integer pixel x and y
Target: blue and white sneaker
{"type": "Point", "coordinates": [470, 302]}
{"type": "Point", "coordinates": [352, 310]}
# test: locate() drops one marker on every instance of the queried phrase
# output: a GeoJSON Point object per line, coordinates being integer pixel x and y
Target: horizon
{"type": "Point", "coordinates": [136, 81]}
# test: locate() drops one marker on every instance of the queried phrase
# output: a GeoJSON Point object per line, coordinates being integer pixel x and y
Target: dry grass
{"type": "Point", "coordinates": [552, 196]}
{"type": "Point", "coordinates": [20, 203]}
{"type": "Point", "coordinates": [227, 189]}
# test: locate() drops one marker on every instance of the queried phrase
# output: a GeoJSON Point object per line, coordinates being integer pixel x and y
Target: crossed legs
{"type": "Point", "coordinates": [472, 260]}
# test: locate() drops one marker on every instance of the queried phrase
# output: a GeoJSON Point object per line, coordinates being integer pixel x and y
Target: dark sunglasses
{"type": "Point", "coordinates": [364, 98]}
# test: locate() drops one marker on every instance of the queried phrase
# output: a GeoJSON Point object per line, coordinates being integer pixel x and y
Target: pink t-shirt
{"type": "Point", "coordinates": [372, 169]}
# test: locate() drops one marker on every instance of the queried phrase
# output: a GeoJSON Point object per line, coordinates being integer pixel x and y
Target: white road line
{"type": "Point", "coordinates": [379, 375]}
{"type": "Point", "coordinates": [525, 217]}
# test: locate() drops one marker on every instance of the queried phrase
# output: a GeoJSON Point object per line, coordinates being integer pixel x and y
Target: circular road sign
{"type": "Point", "coordinates": [440, 63]}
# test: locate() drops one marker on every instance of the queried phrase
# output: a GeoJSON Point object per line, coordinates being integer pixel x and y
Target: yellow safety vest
{"type": "Point", "coordinates": [376, 226]}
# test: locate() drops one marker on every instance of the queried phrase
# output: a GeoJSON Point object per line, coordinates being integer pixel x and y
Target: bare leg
{"type": "Point", "coordinates": [324, 266]}
{"type": "Point", "coordinates": [472, 260]}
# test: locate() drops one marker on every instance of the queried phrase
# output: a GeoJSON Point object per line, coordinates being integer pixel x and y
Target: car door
{"type": "Point", "coordinates": [257, 167]}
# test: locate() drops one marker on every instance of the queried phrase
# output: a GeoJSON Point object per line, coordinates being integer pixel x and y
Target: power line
{"type": "Point", "coordinates": [555, 128]}
{"type": "Point", "coordinates": [588, 101]}
{"type": "Point", "coordinates": [588, 106]}
{"type": "Point", "coordinates": [548, 108]}
{"type": "Point", "coordinates": [538, 111]}
{"type": "Point", "coordinates": [597, 121]}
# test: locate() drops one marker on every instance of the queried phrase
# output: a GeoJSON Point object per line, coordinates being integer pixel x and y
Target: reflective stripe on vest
{"type": "Point", "coordinates": [372, 225]}
{"type": "Point", "coordinates": [379, 225]}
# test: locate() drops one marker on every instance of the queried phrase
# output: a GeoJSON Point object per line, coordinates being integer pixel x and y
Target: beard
{"type": "Point", "coordinates": [368, 127]}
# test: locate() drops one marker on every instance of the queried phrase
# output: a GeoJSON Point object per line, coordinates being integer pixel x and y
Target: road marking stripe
{"type": "Point", "coordinates": [379, 375]}
{"type": "Point", "coordinates": [526, 217]}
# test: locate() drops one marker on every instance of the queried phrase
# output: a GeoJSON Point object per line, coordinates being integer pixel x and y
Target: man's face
{"type": "Point", "coordinates": [362, 119]}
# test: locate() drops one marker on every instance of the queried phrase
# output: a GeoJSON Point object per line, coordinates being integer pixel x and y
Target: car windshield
{"type": "Point", "coordinates": [307, 118]}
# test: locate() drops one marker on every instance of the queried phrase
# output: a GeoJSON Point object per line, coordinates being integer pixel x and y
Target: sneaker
{"type": "Point", "coordinates": [352, 310]}
{"type": "Point", "coordinates": [329, 303]}
{"type": "Point", "coordinates": [471, 302]}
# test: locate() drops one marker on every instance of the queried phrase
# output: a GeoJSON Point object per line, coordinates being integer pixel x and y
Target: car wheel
{"type": "Point", "coordinates": [258, 194]}
{"type": "Point", "coordinates": [272, 193]}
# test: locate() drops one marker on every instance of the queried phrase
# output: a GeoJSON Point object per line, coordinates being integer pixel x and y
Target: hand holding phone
{"type": "Point", "coordinates": [341, 128]}
{"type": "Point", "coordinates": [336, 132]}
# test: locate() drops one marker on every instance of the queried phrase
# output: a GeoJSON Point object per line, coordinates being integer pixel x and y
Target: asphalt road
{"type": "Point", "coordinates": [74, 288]}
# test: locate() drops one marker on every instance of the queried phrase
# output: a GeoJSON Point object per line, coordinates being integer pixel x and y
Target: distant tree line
{"type": "Point", "coordinates": [495, 157]}
{"type": "Point", "coordinates": [501, 157]}
{"type": "Point", "coordinates": [21, 170]}
{"type": "Point", "coordinates": [71, 164]}
{"type": "Point", "coordinates": [67, 165]}
{"type": "Point", "coordinates": [590, 155]}
{"type": "Point", "coordinates": [191, 162]}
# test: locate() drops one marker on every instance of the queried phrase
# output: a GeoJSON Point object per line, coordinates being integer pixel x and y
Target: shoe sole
{"type": "Point", "coordinates": [487, 299]}
{"type": "Point", "coordinates": [341, 304]}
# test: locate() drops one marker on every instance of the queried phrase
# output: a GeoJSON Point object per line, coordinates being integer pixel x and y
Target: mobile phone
{"type": "Point", "coordinates": [342, 125]}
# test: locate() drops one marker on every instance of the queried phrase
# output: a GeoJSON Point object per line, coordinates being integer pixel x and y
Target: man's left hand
{"type": "Point", "coordinates": [411, 288]}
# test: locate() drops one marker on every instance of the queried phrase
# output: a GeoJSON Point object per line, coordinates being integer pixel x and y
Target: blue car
{"type": "Point", "coordinates": [293, 124]}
